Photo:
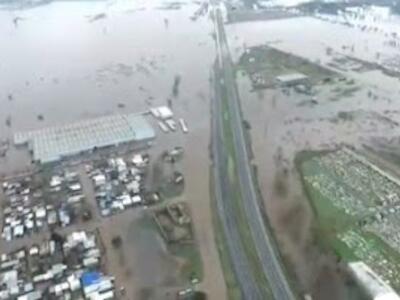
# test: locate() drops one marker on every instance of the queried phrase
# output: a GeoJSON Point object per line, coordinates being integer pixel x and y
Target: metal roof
{"type": "Point", "coordinates": [51, 144]}
{"type": "Point", "coordinates": [291, 77]}
{"type": "Point", "coordinates": [90, 278]}
{"type": "Point", "coordinates": [372, 282]}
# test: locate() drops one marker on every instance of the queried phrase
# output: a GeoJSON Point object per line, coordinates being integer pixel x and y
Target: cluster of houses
{"type": "Point", "coordinates": [60, 268]}
{"type": "Point", "coordinates": [27, 209]}
{"type": "Point", "coordinates": [120, 184]}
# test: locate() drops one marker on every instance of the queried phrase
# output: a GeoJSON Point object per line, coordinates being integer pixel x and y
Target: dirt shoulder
{"type": "Point", "coordinates": [197, 188]}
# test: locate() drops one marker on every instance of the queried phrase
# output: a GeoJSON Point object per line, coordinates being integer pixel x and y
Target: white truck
{"type": "Point", "coordinates": [183, 125]}
{"type": "Point", "coordinates": [171, 124]}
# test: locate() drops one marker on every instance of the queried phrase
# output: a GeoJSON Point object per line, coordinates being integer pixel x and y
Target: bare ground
{"type": "Point", "coordinates": [198, 196]}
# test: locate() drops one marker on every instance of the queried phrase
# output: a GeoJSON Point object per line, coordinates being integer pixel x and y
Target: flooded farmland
{"type": "Point", "coordinates": [64, 65]}
{"type": "Point", "coordinates": [284, 121]}
{"type": "Point", "coordinates": [75, 60]}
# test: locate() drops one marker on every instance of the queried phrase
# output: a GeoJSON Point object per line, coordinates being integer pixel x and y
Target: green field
{"type": "Point", "coordinates": [270, 62]}
{"type": "Point", "coordinates": [338, 229]}
{"type": "Point", "coordinates": [193, 265]}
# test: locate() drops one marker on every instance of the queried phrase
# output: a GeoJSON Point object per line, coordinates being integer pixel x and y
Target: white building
{"type": "Point", "coordinates": [372, 284]}
{"type": "Point", "coordinates": [162, 112]}
{"type": "Point", "coordinates": [292, 79]}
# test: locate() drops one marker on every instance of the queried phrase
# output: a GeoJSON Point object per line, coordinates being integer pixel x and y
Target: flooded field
{"type": "Point", "coordinates": [324, 40]}
{"type": "Point", "coordinates": [68, 61]}
{"type": "Point", "coordinates": [73, 60]}
{"type": "Point", "coordinates": [353, 108]}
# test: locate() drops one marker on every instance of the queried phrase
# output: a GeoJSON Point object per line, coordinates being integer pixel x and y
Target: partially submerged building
{"type": "Point", "coordinates": [162, 112]}
{"type": "Point", "coordinates": [56, 270]}
{"type": "Point", "coordinates": [26, 211]}
{"type": "Point", "coordinates": [371, 283]}
{"type": "Point", "coordinates": [292, 79]}
{"type": "Point", "coordinates": [97, 286]}
{"type": "Point", "coordinates": [54, 143]}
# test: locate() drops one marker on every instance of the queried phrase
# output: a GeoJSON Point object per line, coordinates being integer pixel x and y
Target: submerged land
{"type": "Point", "coordinates": [273, 166]}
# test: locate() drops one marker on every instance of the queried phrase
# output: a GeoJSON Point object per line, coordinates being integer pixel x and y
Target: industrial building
{"type": "Point", "coordinates": [292, 79]}
{"type": "Point", "coordinates": [371, 283]}
{"type": "Point", "coordinates": [52, 144]}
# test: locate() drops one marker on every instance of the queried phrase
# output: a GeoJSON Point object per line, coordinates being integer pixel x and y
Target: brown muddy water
{"type": "Point", "coordinates": [281, 126]}
{"type": "Point", "coordinates": [279, 129]}
{"type": "Point", "coordinates": [66, 61]}
{"type": "Point", "coordinates": [375, 41]}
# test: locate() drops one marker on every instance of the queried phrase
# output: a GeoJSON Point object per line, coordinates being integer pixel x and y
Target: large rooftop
{"type": "Point", "coordinates": [53, 143]}
{"type": "Point", "coordinates": [372, 283]}
{"type": "Point", "coordinates": [291, 78]}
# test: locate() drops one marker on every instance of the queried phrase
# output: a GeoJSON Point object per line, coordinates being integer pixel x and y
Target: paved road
{"type": "Point", "coordinates": [267, 254]}
{"type": "Point", "coordinates": [226, 211]}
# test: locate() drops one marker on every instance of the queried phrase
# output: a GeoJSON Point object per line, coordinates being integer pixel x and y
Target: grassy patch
{"type": "Point", "coordinates": [193, 265]}
{"type": "Point", "coordinates": [331, 220]}
{"type": "Point", "coordinates": [330, 217]}
{"type": "Point", "coordinates": [340, 231]}
{"type": "Point", "coordinates": [170, 190]}
{"type": "Point", "coordinates": [268, 63]}
{"type": "Point", "coordinates": [343, 251]}
{"type": "Point", "coordinates": [380, 244]}
{"type": "Point", "coordinates": [188, 252]}
{"type": "Point", "coordinates": [146, 222]}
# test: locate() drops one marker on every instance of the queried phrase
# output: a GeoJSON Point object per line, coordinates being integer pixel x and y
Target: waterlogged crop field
{"type": "Point", "coordinates": [357, 206]}
{"type": "Point", "coordinates": [263, 64]}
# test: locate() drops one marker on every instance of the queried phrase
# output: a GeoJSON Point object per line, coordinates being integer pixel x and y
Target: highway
{"type": "Point", "coordinates": [262, 238]}
{"type": "Point", "coordinates": [223, 195]}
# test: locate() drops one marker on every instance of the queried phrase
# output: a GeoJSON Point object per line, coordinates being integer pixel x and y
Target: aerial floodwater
{"type": "Point", "coordinates": [359, 47]}
{"type": "Point", "coordinates": [241, 149]}
{"type": "Point", "coordinates": [73, 60]}
{"type": "Point", "coordinates": [64, 62]}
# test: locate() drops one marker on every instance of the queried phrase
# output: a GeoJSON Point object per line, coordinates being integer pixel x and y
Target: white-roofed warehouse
{"type": "Point", "coordinates": [54, 143]}
{"type": "Point", "coordinates": [374, 286]}
{"type": "Point", "coordinates": [292, 79]}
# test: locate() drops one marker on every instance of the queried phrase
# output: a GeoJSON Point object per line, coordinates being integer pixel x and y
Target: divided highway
{"type": "Point", "coordinates": [268, 255]}
{"type": "Point", "coordinates": [226, 211]}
